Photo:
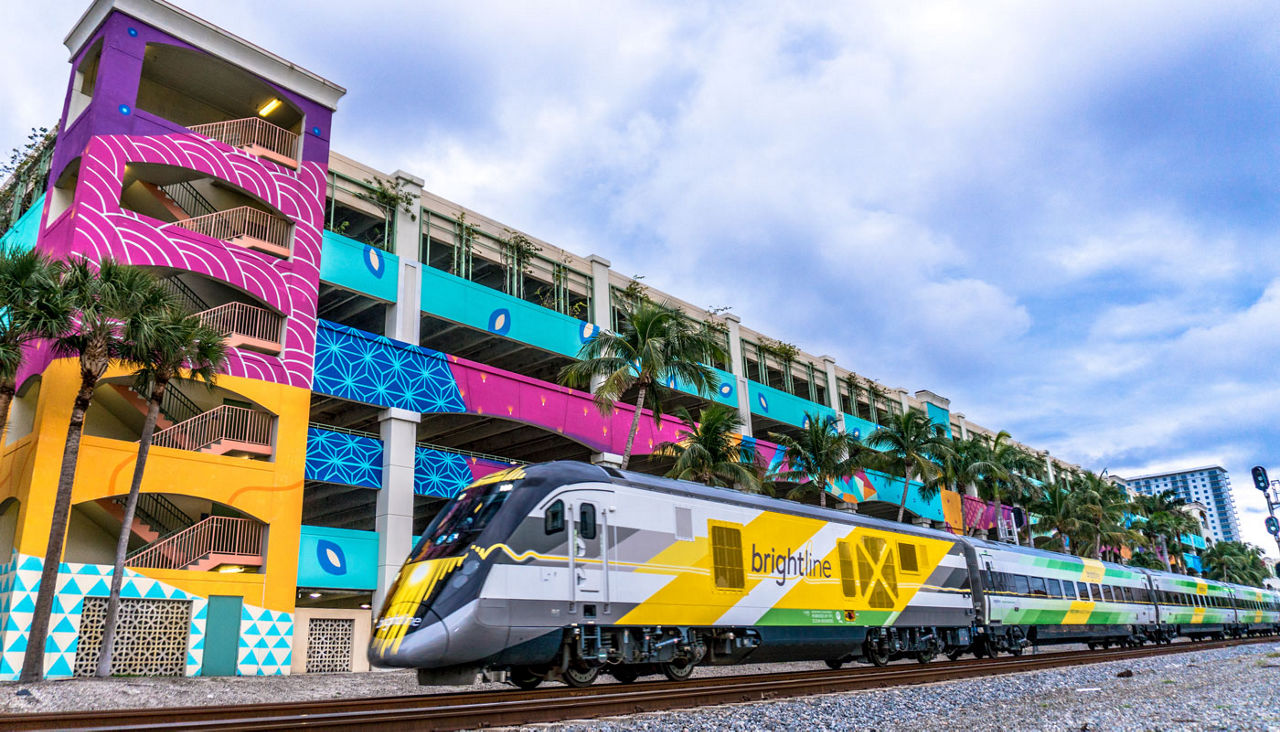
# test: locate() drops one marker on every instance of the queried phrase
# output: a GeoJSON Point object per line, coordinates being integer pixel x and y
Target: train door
{"type": "Point", "coordinates": [589, 547]}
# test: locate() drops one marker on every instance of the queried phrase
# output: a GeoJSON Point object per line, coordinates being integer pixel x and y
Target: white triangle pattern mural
{"type": "Point", "coordinates": [266, 636]}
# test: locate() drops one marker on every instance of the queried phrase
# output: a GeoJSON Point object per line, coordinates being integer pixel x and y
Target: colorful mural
{"type": "Point", "coordinates": [343, 458]}
{"type": "Point", "coordinates": [97, 226]}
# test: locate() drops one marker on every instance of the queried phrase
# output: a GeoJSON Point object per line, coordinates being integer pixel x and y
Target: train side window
{"type": "Point", "coordinates": [1128, 594]}
{"type": "Point", "coordinates": [553, 519]}
{"type": "Point", "coordinates": [1106, 594]}
{"type": "Point", "coordinates": [684, 523]}
{"type": "Point", "coordinates": [1055, 588]}
{"type": "Point", "coordinates": [1038, 587]}
{"type": "Point", "coordinates": [1097, 591]}
{"type": "Point", "coordinates": [726, 557]}
{"type": "Point", "coordinates": [848, 579]}
{"type": "Point", "coordinates": [1020, 584]}
{"type": "Point", "coordinates": [587, 521]}
{"type": "Point", "coordinates": [907, 558]}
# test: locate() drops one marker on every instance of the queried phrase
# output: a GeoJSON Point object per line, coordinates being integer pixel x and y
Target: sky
{"type": "Point", "coordinates": [1060, 216]}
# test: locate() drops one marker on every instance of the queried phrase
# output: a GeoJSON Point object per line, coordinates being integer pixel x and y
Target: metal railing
{"type": "Point", "coordinates": [189, 199]}
{"type": "Point", "coordinates": [174, 405]}
{"type": "Point", "coordinates": [240, 222]}
{"type": "Point", "coordinates": [250, 132]}
{"type": "Point", "coordinates": [225, 422]}
{"type": "Point", "coordinates": [184, 294]}
{"type": "Point", "coordinates": [158, 512]}
{"type": "Point", "coordinates": [241, 318]}
{"type": "Point", "coordinates": [241, 537]}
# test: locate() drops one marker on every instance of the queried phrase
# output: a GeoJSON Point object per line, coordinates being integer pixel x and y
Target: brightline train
{"type": "Point", "coordinates": [564, 571]}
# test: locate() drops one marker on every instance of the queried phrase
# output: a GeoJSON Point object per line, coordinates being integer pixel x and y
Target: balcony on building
{"type": "Point", "coordinates": [247, 323]}
{"type": "Point", "coordinates": [169, 531]}
{"type": "Point", "coordinates": [183, 198]}
{"type": "Point", "coordinates": [193, 417]}
{"type": "Point", "coordinates": [218, 100]}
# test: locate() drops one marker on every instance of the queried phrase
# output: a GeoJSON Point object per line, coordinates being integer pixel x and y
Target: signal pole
{"type": "Point", "coordinates": [1268, 488]}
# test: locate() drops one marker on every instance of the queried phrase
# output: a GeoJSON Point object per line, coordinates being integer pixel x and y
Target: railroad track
{"type": "Point", "coordinates": [468, 710]}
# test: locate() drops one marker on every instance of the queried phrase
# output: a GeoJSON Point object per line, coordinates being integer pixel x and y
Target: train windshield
{"type": "Point", "coordinates": [461, 521]}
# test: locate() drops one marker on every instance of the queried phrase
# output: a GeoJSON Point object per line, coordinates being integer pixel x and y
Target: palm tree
{"type": "Point", "coordinates": [33, 307]}
{"type": "Point", "coordinates": [655, 345]}
{"type": "Point", "coordinates": [912, 447]}
{"type": "Point", "coordinates": [1165, 520]}
{"type": "Point", "coordinates": [174, 341]}
{"type": "Point", "coordinates": [1058, 516]}
{"type": "Point", "coordinates": [1103, 510]}
{"type": "Point", "coordinates": [710, 452]}
{"type": "Point", "coordinates": [102, 299]}
{"type": "Point", "coordinates": [1234, 561]}
{"type": "Point", "coordinates": [1007, 483]}
{"type": "Point", "coordinates": [819, 457]}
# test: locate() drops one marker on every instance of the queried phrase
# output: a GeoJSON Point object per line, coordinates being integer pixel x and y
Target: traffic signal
{"type": "Point", "coordinates": [1260, 478]}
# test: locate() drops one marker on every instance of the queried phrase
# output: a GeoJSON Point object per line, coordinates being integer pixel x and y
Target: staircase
{"type": "Point", "coordinates": [244, 325]}
{"type": "Point", "coordinates": [205, 545]}
{"type": "Point", "coordinates": [221, 430]}
{"type": "Point", "coordinates": [154, 518]}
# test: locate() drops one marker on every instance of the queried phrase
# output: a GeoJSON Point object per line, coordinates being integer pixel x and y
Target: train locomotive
{"type": "Point", "coordinates": [563, 571]}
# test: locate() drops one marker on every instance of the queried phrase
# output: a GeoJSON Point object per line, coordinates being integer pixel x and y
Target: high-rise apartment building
{"type": "Point", "coordinates": [1208, 485]}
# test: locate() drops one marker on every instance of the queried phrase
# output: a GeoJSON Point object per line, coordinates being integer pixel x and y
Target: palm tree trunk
{"type": "Point", "coordinates": [822, 491]}
{"type": "Point", "coordinates": [7, 389]}
{"type": "Point", "coordinates": [126, 529]}
{"type": "Point", "coordinates": [635, 425]}
{"type": "Point", "coordinates": [906, 486]}
{"type": "Point", "coordinates": [1164, 549]}
{"type": "Point", "coordinates": [33, 661]}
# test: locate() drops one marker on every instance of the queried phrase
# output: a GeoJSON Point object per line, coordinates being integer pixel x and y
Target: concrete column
{"type": "Point", "coordinates": [833, 390]}
{"type": "Point", "coordinates": [964, 427]}
{"type": "Point", "coordinates": [902, 400]}
{"type": "Point", "coordinates": [602, 316]}
{"type": "Point", "coordinates": [404, 316]}
{"type": "Point", "coordinates": [601, 297]}
{"type": "Point", "coordinates": [394, 518]}
{"type": "Point", "coordinates": [408, 241]}
{"type": "Point", "coordinates": [739, 376]}
{"type": "Point", "coordinates": [1048, 465]}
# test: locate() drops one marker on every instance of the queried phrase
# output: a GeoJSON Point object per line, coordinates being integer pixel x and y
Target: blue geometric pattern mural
{"type": "Point", "coordinates": [437, 473]}
{"type": "Point", "coordinates": [363, 367]}
{"type": "Point", "coordinates": [337, 457]}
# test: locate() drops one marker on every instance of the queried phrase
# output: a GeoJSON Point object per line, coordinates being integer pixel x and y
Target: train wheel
{"type": "Point", "coordinates": [580, 676]}
{"type": "Point", "coordinates": [625, 674]}
{"type": "Point", "coordinates": [955, 654]}
{"type": "Point", "coordinates": [834, 663]}
{"type": "Point", "coordinates": [679, 670]}
{"type": "Point", "coordinates": [524, 678]}
{"type": "Point", "coordinates": [876, 656]}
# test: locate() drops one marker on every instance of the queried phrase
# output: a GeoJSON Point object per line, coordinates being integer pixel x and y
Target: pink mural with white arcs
{"type": "Point", "coordinates": [99, 227]}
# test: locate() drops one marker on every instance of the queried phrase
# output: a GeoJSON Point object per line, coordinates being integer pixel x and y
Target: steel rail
{"type": "Point", "coordinates": [465, 710]}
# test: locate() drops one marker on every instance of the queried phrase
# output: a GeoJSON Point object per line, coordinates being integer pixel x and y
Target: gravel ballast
{"type": "Point", "coordinates": [1229, 688]}
{"type": "Point", "coordinates": [1232, 688]}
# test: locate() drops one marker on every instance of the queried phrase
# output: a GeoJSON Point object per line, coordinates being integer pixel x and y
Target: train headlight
{"type": "Point", "coordinates": [467, 569]}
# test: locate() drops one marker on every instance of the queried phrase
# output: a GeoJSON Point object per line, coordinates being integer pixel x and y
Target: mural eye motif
{"type": "Point", "coordinates": [373, 261]}
{"type": "Point", "coordinates": [726, 389]}
{"type": "Point", "coordinates": [331, 557]}
{"type": "Point", "coordinates": [764, 403]}
{"type": "Point", "coordinates": [500, 321]}
{"type": "Point", "coordinates": [589, 331]}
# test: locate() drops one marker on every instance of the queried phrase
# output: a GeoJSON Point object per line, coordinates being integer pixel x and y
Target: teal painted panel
{"type": "Point", "coordinates": [939, 416]}
{"type": "Point", "coordinates": [222, 635]}
{"type": "Point", "coordinates": [889, 490]}
{"type": "Point", "coordinates": [337, 558]}
{"type": "Point", "coordinates": [462, 301]}
{"type": "Point", "coordinates": [355, 266]}
{"type": "Point", "coordinates": [861, 428]}
{"type": "Point", "coordinates": [22, 235]}
{"type": "Point", "coordinates": [1193, 540]}
{"type": "Point", "coordinates": [723, 390]}
{"type": "Point", "coordinates": [777, 404]}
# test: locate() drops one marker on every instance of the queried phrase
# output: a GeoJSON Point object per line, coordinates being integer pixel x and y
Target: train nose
{"type": "Point", "coordinates": [424, 646]}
